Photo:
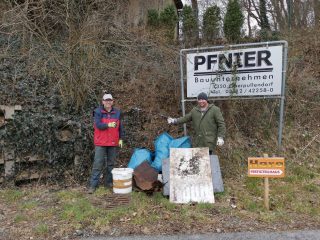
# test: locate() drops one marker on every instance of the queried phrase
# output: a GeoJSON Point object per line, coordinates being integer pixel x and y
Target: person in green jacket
{"type": "Point", "coordinates": [208, 123]}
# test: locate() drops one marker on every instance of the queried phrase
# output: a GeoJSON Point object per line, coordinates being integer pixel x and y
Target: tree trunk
{"type": "Point", "coordinates": [263, 15]}
{"type": "Point", "coordinates": [316, 10]}
{"type": "Point", "coordinates": [283, 9]}
{"type": "Point", "coordinates": [297, 8]}
{"type": "Point", "coordinates": [24, 28]}
{"type": "Point", "coordinates": [194, 4]}
{"type": "Point", "coordinates": [248, 20]}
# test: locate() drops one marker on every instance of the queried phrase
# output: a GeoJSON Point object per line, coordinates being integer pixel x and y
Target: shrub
{"type": "Point", "coordinates": [233, 21]}
{"type": "Point", "coordinates": [153, 18]}
{"type": "Point", "coordinates": [190, 26]}
{"type": "Point", "coordinates": [168, 21]}
{"type": "Point", "coordinates": [168, 17]}
{"type": "Point", "coordinates": [211, 22]}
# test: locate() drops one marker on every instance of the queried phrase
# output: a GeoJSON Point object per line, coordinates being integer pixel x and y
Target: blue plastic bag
{"type": "Point", "coordinates": [162, 150]}
{"type": "Point", "coordinates": [183, 142]}
{"type": "Point", "coordinates": [139, 156]}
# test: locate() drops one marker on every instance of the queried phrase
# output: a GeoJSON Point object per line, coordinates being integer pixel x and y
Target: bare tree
{"type": "Point", "coordinates": [316, 10]}
{"type": "Point", "coordinates": [304, 13]}
{"type": "Point", "coordinates": [249, 20]}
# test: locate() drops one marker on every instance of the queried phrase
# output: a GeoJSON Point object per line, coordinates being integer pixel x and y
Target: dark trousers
{"type": "Point", "coordinates": [104, 159]}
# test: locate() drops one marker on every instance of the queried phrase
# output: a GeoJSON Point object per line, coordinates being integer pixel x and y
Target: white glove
{"type": "Point", "coordinates": [220, 141]}
{"type": "Point", "coordinates": [172, 120]}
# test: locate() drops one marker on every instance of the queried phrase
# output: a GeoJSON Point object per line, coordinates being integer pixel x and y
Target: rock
{"type": "Point", "coordinates": [146, 231]}
{"type": "Point", "coordinates": [78, 232]}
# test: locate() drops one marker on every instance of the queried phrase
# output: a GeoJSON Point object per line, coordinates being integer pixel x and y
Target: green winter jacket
{"type": "Point", "coordinates": [207, 128]}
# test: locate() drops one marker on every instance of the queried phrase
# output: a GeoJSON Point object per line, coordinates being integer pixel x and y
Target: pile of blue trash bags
{"type": "Point", "coordinates": [162, 145]}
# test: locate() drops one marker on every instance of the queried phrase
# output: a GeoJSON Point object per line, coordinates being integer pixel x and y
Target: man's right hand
{"type": "Point", "coordinates": [172, 120]}
{"type": "Point", "coordinates": [112, 124]}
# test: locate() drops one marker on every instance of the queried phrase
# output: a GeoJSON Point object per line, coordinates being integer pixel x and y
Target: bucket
{"type": "Point", "coordinates": [122, 180]}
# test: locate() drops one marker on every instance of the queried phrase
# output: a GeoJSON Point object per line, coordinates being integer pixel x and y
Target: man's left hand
{"type": "Point", "coordinates": [220, 141]}
{"type": "Point", "coordinates": [120, 143]}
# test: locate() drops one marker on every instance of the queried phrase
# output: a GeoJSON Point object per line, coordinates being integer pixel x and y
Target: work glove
{"type": "Point", "coordinates": [112, 124]}
{"type": "Point", "coordinates": [220, 141]}
{"type": "Point", "coordinates": [120, 143]}
{"type": "Point", "coordinates": [172, 120]}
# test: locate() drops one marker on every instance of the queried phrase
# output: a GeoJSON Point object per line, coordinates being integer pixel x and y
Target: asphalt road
{"type": "Point", "coordinates": [296, 235]}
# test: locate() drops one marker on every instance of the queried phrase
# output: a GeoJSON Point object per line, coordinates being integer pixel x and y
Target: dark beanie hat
{"type": "Point", "coordinates": [203, 96]}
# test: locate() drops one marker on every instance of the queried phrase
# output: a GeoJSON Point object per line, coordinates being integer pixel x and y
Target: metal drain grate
{"type": "Point", "coordinates": [117, 200]}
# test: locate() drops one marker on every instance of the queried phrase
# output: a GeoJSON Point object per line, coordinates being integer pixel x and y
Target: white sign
{"type": "Point", "coordinates": [190, 175]}
{"type": "Point", "coordinates": [242, 72]}
{"type": "Point", "coordinates": [273, 172]}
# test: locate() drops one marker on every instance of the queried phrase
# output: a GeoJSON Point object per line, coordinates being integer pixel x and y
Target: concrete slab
{"type": "Point", "coordinates": [190, 175]}
{"type": "Point", "coordinates": [217, 181]}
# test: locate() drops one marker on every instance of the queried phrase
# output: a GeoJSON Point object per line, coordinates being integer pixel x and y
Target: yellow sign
{"type": "Point", "coordinates": [266, 167]}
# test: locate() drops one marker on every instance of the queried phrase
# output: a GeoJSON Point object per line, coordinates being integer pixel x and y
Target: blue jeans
{"type": "Point", "coordinates": [104, 159]}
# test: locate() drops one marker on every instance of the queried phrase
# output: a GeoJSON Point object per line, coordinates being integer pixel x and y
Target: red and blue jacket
{"type": "Point", "coordinates": [103, 135]}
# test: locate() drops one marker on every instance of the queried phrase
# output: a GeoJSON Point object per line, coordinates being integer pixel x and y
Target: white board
{"type": "Point", "coordinates": [239, 72]}
{"type": "Point", "coordinates": [190, 175]}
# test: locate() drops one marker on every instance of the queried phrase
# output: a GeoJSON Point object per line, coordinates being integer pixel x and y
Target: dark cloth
{"type": "Point", "coordinates": [202, 96]}
{"type": "Point", "coordinates": [104, 159]}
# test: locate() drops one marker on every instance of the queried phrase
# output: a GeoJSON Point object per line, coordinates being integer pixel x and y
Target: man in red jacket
{"type": "Point", "coordinates": [108, 134]}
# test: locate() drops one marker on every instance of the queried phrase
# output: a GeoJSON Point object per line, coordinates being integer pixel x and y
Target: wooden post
{"type": "Point", "coordinates": [266, 189]}
{"type": "Point", "coordinates": [266, 193]}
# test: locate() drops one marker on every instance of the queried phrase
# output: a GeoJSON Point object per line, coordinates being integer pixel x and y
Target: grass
{"type": "Point", "coordinates": [301, 173]}
{"type": "Point", "coordinates": [306, 207]}
{"type": "Point", "coordinates": [117, 213]}
{"type": "Point", "coordinates": [20, 218]}
{"type": "Point", "coordinates": [267, 217]}
{"type": "Point", "coordinates": [204, 206]}
{"type": "Point", "coordinates": [79, 210]}
{"type": "Point", "coordinates": [42, 229]}
{"type": "Point", "coordinates": [12, 195]}
{"type": "Point", "coordinates": [164, 202]}
{"type": "Point", "coordinates": [28, 205]}
{"type": "Point", "coordinates": [291, 198]}
{"type": "Point", "coordinates": [311, 188]}
{"type": "Point", "coordinates": [44, 213]}
{"type": "Point", "coordinates": [68, 195]}
{"type": "Point", "coordinates": [254, 185]}
{"type": "Point", "coordinates": [251, 204]}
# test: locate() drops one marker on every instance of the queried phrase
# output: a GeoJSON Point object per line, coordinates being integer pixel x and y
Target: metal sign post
{"type": "Point", "coordinates": [243, 71]}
